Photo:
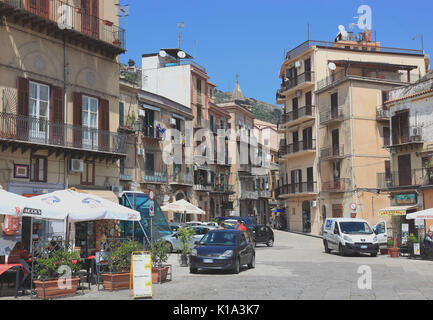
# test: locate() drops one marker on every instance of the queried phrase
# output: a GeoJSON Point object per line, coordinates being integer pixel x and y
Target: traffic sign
{"type": "Point", "coordinates": [151, 208]}
{"type": "Point", "coordinates": [151, 195]}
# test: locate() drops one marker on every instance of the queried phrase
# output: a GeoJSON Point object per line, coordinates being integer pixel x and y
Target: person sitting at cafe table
{"type": "Point", "coordinates": [22, 255]}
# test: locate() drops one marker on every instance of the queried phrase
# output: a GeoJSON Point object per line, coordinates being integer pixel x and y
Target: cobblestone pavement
{"type": "Point", "coordinates": [295, 268]}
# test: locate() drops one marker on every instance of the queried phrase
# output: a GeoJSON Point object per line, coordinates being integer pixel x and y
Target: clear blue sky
{"type": "Point", "coordinates": [249, 37]}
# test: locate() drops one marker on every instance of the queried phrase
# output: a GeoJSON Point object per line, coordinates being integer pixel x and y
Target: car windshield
{"type": "Point", "coordinates": [219, 239]}
{"type": "Point", "coordinates": [355, 228]}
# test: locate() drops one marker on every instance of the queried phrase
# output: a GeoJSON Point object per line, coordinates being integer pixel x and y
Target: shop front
{"type": "Point", "coordinates": [402, 205]}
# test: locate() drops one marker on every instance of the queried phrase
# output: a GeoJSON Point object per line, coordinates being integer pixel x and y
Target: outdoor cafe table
{"type": "Point", "coordinates": [17, 268]}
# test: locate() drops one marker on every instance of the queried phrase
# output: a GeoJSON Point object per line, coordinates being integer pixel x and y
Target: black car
{"type": "Point", "coordinates": [223, 250]}
{"type": "Point", "coordinates": [263, 234]}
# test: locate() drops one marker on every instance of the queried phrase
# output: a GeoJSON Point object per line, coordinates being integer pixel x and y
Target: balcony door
{"type": "Point", "coordinates": [308, 104]}
{"type": "Point", "coordinates": [307, 64]}
{"type": "Point", "coordinates": [90, 121]}
{"type": "Point", "coordinates": [400, 128]}
{"type": "Point", "coordinates": [310, 180]}
{"type": "Point", "coordinates": [334, 105]}
{"type": "Point", "coordinates": [404, 170]}
{"type": "Point", "coordinates": [149, 123]}
{"type": "Point", "coordinates": [335, 142]}
{"type": "Point", "coordinates": [39, 106]}
{"type": "Point", "coordinates": [295, 136]}
{"type": "Point", "coordinates": [307, 137]}
{"type": "Point", "coordinates": [89, 18]}
{"type": "Point", "coordinates": [295, 109]}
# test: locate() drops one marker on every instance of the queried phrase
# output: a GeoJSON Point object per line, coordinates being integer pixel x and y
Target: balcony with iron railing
{"type": "Point", "coordinates": [39, 131]}
{"type": "Point", "coordinates": [181, 178]}
{"type": "Point", "coordinates": [411, 135]}
{"type": "Point", "coordinates": [249, 195]}
{"type": "Point", "coordinates": [302, 188]}
{"type": "Point", "coordinates": [405, 178]}
{"type": "Point", "coordinates": [331, 115]}
{"type": "Point", "coordinates": [383, 114]}
{"type": "Point", "coordinates": [223, 188]}
{"type": "Point", "coordinates": [297, 148]}
{"type": "Point", "coordinates": [150, 176]}
{"type": "Point", "coordinates": [265, 193]}
{"type": "Point", "coordinates": [73, 22]}
{"type": "Point", "coordinates": [304, 79]}
{"type": "Point", "coordinates": [334, 152]}
{"type": "Point", "coordinates": [366, 74]}
{"type": "Point", "coordinates": [297, 116]}
{"type": "Point", "coordinates": [337, 185]}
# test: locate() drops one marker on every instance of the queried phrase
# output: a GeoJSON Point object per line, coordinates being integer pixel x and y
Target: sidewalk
{"type": "Point", "coordinates": [301, 233]}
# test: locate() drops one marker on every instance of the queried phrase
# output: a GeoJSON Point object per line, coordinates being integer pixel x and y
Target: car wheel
{"type": "Point", "coordinates": [270, 243]}
{"type": "Point", "coordinates": [341, 250]}
{"type": "Point", "coordinates": [252, 264]}
{"type": "Point", "coordinates": [374, 254]}
{"type": "Point", "coordinates": [237, 267]}
{"type": "Point", "coordinates": [327, 250]}
{"type": "Point", "coordinates": [192, 270]}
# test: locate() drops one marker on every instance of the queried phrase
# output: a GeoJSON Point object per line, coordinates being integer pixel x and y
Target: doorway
{"type": "Point", "coordinates": [306, 217]}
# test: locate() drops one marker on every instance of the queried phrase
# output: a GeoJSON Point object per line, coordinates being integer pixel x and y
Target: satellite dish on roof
{"type": "Point", "coordinates": [332, 66]}
{"type": "Point", "coordinates": [162, 53]}
{"type": "Point", "coordinates": [181, 54]}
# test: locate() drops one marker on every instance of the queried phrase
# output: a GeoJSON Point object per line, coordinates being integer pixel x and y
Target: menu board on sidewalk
{"type": "Point", "coordinates": [141, 275]}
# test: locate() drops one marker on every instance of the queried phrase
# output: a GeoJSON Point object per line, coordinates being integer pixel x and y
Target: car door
{"type": "Point", "coordinates": [243, 249]}
{"type": "Point", "coordinates": [334, 237]}
{"type": "Point", "coordinates": [175, 241]}
{"type": "Point", "coordinates": [382, 233]}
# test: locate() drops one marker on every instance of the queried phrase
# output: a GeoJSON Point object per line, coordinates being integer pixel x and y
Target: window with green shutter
{"type": "Point", "coordinates": [121, 115]}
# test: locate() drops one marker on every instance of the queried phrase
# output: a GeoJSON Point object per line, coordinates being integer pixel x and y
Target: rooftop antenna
{"type": "Point", "coordinates": [421, 36]}
{"type": "Point", "coordinates": [195, 49]}
{"type": "Point", "coordinates": [180, 26]}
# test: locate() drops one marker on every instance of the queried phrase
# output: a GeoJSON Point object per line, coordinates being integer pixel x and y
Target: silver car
{"type": "Point", "coordinates": [174, 242]}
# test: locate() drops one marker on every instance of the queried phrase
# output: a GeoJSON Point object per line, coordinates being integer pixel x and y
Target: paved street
{"type": "Point", "coordinates": [295, 268]}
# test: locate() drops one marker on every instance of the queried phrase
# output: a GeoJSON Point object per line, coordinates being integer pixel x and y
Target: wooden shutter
{"type": "Point", "coordinates": [57, 123]}
{"type": "Point", "coordinates": [104, 125]}
{"type": "Point", "coordinates": [121, 114]}
{"type": "Point", "coordinates": [22, 125]}
{"type": "Point", "coordinates": [95, 18]}
{"type": "Point", "coordinates": [77, 119]}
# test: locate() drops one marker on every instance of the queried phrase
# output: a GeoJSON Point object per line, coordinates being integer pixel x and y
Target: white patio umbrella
{"type": "Point", "coordinates": [182, 206]}
{"type": "Point", "coordinates": [15, 205]}
{"type": "Point", "coordinates": [424, 214]}
{"type": "Point", "coordinates": [82, 206]}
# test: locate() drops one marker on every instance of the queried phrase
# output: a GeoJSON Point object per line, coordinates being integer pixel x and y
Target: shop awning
{"type": "Point", "coordinates": [424, 214]}
{"type": "Point", "coordinates": [104, 194]}
{"type": "Point", "coordinates": [396, 211]}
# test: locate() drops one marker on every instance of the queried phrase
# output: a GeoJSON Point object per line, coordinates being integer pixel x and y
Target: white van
{"type": "Point", "coordinates": [349, 235]}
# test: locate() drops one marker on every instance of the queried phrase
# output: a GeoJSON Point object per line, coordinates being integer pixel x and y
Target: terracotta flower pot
{"type": "Point", "coordinates": [116, 281]}
{"type": "Point", "coordinates": [49, 289]}
{"type": "Point", "coordinates": [393, 252]}
{"type": "Point", "coordinates": [159, 274]}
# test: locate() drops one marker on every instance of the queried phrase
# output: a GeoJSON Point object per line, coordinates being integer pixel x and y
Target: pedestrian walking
{"type": "Point", "coordinates": [241, 226]}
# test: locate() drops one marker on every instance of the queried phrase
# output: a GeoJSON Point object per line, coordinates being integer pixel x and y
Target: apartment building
{"type": "Point", "coordinates": [335, 128]}
{"type": "Point", "coordinates": [156, 121]}
{"type": "Point", "coordinates": [408, 175]}
{"type": "Point", "coordinates": [173, 74]}
{"type": "Point", "coordinates": [59, 93]}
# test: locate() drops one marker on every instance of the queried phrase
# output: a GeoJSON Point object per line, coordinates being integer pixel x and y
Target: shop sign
{"type": "Point", "coordinates": [404, 199]}
{"type": "Point", "coordinates": [34, 212]}
{"type": "Point", "coordinates": [392, 212]}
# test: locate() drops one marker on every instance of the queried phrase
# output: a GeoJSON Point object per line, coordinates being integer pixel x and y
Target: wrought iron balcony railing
{"type": "Point", "coordinates": [301, 146]}
{"type": "Point", "coordinates": [69, 19]}
{"type": "Point", "coordinates": [39, 131]}
{"type": "Point", "coordinates": [154, 176]}
{"type": "Point", "coordinates": [337, 185]}
{"type": "Point", "coordinates": [291, 83]}
{"type": "Point", "coordinates": [181, 178]}
{"type": "Point", "coordinates": [332, 115]}
{"type": "Point", "coordinates": [296, 188]}
{"type": "Point", "coordinates": [405, 178]}
{"type": "Point", "coordinates": [306, 111]}
{"type": "Point", "coordinates": [333, 152]}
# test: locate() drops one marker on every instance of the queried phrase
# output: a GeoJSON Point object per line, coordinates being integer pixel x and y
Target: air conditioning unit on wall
{"type": "Point", "coordinates": [298, 64]}
{"type": "Point", "coordinates": [140, 151]}
{"type": "Point", "coordinates": [76, 166]}
{"type": "Point", "coordinates": [415, 131]}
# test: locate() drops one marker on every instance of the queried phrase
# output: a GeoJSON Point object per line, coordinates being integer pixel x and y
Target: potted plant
{"type": "Point", "coordinates": [52, 273]}
{"type": "Point", "coordinates": [394, 250]}
{"type": "Point", "coordinates": [119, 275]}
{"type": "Point", "coordinates": [412, 241]}
{"type": "Point", "coordinates": [159, 252]}
{"type": "Point", "coordinates": [184, 235]}
{"type": "Point", "coordinates": [108, 23]}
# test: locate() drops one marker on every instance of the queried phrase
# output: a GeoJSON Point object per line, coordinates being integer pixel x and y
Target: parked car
{"type": "Point", "coordinates": [223, 250]}
{"type": "Point", "coordinates": [174, 242]}
{"type": "Point", "coordinates": [263, 234]}
{"type": "Point", "coordinates": [195, 223]}
{"type": "Point", "coordinates": [175, 225]}
{"type": "Point", "coordinates": [349, 235]}
{"type": "Point", "coordinates": [211, 224]}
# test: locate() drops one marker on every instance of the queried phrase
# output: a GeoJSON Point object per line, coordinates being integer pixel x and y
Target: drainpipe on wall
{"type": "Point", "coordinates": [65, 71]}
{"type": "Point", "coordinates": [352, 144]}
